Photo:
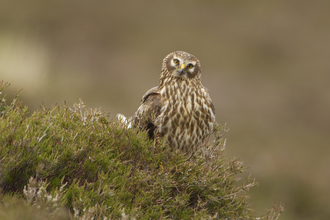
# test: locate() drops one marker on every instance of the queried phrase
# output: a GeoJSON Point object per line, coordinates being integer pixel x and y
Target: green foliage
{"type": "Point", "coordinates": [79, 160]}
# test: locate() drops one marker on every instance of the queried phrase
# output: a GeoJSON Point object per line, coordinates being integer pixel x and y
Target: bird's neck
{"type": "Point", "coordinates": [167, 80]}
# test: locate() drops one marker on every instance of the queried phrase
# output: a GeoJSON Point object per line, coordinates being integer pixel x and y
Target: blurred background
{"type": "Point", "coordinates": [266, 65]}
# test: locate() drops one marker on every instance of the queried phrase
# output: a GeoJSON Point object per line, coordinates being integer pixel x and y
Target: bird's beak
{"type": "Point", "coordinates": [181, 68]}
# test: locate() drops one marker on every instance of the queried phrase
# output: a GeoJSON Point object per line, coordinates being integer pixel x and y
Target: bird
{"type": "Point", "coordinates": [179, 109]}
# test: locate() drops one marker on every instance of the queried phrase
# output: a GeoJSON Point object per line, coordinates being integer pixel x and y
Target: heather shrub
{"type": "Point", "coordinates": [78, 163]}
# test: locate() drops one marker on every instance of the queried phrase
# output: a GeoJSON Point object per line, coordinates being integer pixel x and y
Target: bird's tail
{"type": "Point", "coordinates": [125, 122]}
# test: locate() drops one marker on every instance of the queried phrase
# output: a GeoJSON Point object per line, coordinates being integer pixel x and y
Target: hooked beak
{"type": "Point", "coordinates": [181, 68]}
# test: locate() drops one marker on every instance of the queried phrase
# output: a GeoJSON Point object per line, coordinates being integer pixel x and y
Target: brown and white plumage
{"type": "Point", "coordinates": [180, 108]}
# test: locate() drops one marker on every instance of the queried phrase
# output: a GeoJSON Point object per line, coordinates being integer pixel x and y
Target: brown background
{"type": "Point", "coordinates": [265, 63]}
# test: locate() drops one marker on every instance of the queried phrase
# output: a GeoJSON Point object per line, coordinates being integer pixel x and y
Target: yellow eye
{"type": "Point", "coordinates": [176, 61]}
{"type": "Point", "coordinates": [190, 66]}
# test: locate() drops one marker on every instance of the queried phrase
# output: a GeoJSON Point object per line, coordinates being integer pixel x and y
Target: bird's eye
{"type": "Point", "coordinates": [190, 66]}
{"type": "Point", "coordinates": [176, 61]}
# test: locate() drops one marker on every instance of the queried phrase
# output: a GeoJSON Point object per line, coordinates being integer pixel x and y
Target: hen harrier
{"type": "Point", "coordinates": [180, 108]}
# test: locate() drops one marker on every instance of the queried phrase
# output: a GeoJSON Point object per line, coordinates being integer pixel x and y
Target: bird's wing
{"type": "Point", "coordinates": [150, 92]}
{"type": "Point", "coordinates": [209, 99]}
{"type": "Point", "coordinates": [148, 111]}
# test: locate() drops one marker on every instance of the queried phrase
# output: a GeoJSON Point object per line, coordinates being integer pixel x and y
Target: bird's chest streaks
{"type": "Point", "coordinates": [183, 118]}
{"type": "Point", "coordinates": [177, 102]}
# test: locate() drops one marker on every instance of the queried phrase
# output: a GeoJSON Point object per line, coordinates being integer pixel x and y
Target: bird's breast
{"type": "Point", "coordinates": [185, 118]}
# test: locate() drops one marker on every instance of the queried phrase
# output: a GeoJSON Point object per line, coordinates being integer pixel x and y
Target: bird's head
{"type": "Point", "coordinates": [182, 65]}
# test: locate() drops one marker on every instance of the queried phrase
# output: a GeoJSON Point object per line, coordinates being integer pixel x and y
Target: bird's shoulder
{"type": "Point", "coordinates": [151, 94]}
{"type": "Point", "coordinates": [150, 104]}
{"type": "Point", "coordinates": [149, 110]}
